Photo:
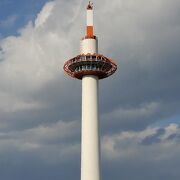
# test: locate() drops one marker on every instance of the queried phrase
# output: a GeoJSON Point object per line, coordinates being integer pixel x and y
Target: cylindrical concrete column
{"type": "Point", "coordinates": [89, 46]}
{"type": "Point", "coordinates": [90, 146]}
{"type": "Point", "coordinates": [90, 142]}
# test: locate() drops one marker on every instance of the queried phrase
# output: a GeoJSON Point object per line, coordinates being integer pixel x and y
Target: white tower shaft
{"type": "Point", "coordinates": [90, 147]}
{"type": "Point", "coordinates": [90, 142]}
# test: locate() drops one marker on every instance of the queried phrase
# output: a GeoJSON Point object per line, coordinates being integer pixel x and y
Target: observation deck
{"type": "Point", "coordinates": [90, 64]}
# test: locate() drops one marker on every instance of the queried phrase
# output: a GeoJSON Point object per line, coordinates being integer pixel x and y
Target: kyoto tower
{"type": "Point", "coordinates": [90, 67]}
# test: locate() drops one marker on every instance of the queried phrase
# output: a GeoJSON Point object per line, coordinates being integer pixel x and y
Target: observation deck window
{"type": "Point", "coordinates": [83, 58]}
{"type": "Point", "coordinates": [93, 67]}
{"type": "Point", "coordinates": [83, 67]}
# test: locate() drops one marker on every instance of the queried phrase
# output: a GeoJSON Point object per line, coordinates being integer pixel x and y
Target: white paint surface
{"type": "Point", "coordinates": [89, 46]}
{"type": "Point", "coordinates": [89, 17]}
{"type": "Point", "coordinates": [90, 146]}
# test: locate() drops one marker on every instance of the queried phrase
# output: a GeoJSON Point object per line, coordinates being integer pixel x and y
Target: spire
{"type": "Point", "coordinates": [89, 29]}
{"type": "Point", "coordinates": [90, 5]}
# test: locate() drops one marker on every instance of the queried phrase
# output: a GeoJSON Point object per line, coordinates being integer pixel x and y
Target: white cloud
{"type": "Point", "coordinates": [44, 14]}
{"type": "Point", "coordinates": [52, 142]}
{"type": "Point", "coordinates": [129, 144]}
{"type": "Point", "coordinates": [44, 141]}
{"type": "Point", "coordinates": [31, 60]}
{"type": "Point", "coordinates": [170, 130]}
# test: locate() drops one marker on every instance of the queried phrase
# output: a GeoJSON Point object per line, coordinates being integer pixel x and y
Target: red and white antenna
{"type": "Point", "coordinates": [89, 28]}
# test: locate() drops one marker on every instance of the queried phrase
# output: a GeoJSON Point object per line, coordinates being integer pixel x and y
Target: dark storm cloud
{"type": "Point", "coordinates": [147, 52]}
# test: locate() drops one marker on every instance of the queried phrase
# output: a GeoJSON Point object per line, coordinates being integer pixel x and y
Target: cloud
{"type": "Point", "coordinates": [134, 144]}
{"type": "Point", "coordinates": [138, 154]}
{"type": "Point", "coordinates": [35, 58]}
{"type": "Point", "coordinates": [146, 42]}
{"type": "Point", "coordinates": [44, 14]}
{"type": "Point", "coordinates": [9, 21]}
{"type": "Point", "coordinates": [43, 139]}
{"type": "Point", "coordinates": [30, 61]}
{"type": "Point", "coordinates": [39, 111]}
{"type": "Point", "coordinates": [153, 138]}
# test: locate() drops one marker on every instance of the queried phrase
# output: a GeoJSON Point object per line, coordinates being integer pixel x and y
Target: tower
{"type": "Point", "coordinates": [90, 67]}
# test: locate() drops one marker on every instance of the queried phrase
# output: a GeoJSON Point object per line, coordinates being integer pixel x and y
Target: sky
{"type": "Point", "coordinates": [40, 107]}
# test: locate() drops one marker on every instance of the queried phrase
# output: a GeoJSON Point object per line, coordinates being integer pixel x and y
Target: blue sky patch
{"type": "Point", "coordinates": [16, 14]}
